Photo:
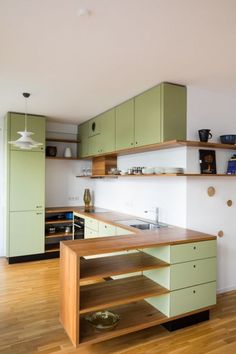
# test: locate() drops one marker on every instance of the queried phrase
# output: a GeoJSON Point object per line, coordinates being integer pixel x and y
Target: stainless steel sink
{"type": "Point", "coordinates": [141, 224]}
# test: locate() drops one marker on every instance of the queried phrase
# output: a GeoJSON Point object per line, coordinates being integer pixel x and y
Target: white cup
{"type": "Point", "coordinates": [67, 152]}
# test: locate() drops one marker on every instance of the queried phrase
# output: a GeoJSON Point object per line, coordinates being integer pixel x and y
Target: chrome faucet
{"type": "Point", "coordinates": [156, 211]}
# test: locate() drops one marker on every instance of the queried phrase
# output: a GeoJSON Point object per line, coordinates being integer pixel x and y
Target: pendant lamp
{"type": "Point", "coordinates": [25, 142]}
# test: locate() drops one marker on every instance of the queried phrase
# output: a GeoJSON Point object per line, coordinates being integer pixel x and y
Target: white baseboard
{"type": "Point", "coordinates": [227, 289]}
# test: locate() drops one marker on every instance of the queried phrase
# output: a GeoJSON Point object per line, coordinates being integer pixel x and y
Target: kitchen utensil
{"type": "Point", "coordinates": [228, 139]}
{"type": "Point", "coordinates": [103, 320]}
{"type": "Point", "coordinates": [204, 135]}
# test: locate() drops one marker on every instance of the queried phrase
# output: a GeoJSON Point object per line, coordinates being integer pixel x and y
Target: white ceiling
{"type": "Point", "coordinates": [76, 67]}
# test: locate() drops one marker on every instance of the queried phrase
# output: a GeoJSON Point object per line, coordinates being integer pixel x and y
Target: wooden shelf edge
{"type": "Point", "coordinates": [118, 292]}
{"type": "Point", "coordinates": [55, 235]}
{"type": "Point", "coordinates": [63, 158]}
{"type": "Point", "coordinates": [161, 175]}
{"type": "Point", "coordinates": [167, 145]}
{"type": "Point", "coordinates": [59, 221]}
{"type": "Point", "coordinates": [103, 267]}
{"type": "Point", "coordinates": [63, 140]}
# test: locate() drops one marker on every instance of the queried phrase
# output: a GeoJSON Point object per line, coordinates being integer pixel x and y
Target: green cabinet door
{"type": "Point", "coordinates": [94, 145]}
{"type": "Point", "coordinates": [148, 117]}
{"type": "Point", "coordinates": [174, 112]}
{"type": "Point", "coordinates": [26, 180]}
{"type": "Point", "coordinates": [35, 124]}
{"type": "Point", "coordinates": [26, 233]}
{"type": "Point", "coordinates": [125, 125]}
{"type": "Point", "coordinates": [83, 140]}
{"type": "Point", "coordinates": [107, 141]}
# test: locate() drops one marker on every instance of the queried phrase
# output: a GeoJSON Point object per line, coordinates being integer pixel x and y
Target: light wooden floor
{"type": "Point", "coordinates": [29, 320]}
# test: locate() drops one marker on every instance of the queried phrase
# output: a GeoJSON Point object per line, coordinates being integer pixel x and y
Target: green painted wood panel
{"type": "Point", "coordinates": [107, 142]}
{"type": "Point", "coordinates": [160, 276]}
{"type": "Point", "coordinates": [148, 117]}
{"type": "Point", "coordinates": [162, 253]}
{"type": "Point", "coordinates": [106, 229]}
{"type": "Point", "coordinates": [161, 303]}
{"type": "Point", "coordinates": [91, 223]}
{"type": "Point", "coordinates": [94, 126]}
{"type": "Point", "coordinates": [94, 145]}
{"type": "Point", "coordinates": [193, 298]}
{"type": "Point", "coordinates": [26, 233]}
{"type": "Point", "coordinates": [89, 233]}
{"type": "Point", "coordinates": [191, 251]}
{"type": "Point", "coordinates": [187, 274]}
{"type": "Point", "coordinates": [36, 124]}
{"type": "Point", "coordinates": [83, 140]}
{"type": "Point", "coordinates": [125, 125]}
{"type": "Point", "coordinates": [27, 180]}
{"type": "Point", "coordinates": [120, 231]}
{"type": "Point", "coordinates": [174, 112]}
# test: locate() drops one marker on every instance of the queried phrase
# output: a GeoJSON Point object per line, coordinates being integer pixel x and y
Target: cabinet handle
{"type": "Point", "coordinates": [194, 247]}
{"type": "Point", "coordinates": [132, 144]}
{"type": "Point", "coordinates": [38, 206]}
{"type": "Point", "coordinates": [39, 213]}
{"type": "Point", "coordinates": [105, 226]}
{"type": "Point", "coordinates": [136, 142]}
{"type": "Point", "coordinates": [194, 291]}
{"type": "Point", "coordinates": [194, 266]}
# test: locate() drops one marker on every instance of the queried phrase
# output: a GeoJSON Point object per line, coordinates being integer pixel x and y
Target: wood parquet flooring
{"type": "Point", "coordinates": [29, 320]}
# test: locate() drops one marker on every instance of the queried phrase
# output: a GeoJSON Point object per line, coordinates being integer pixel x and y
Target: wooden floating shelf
{"type": "Point", "coordinates": [53, 249]}
{"type": "Point", "coordinates": [168, 145]}
{"type": "Point", "coordinates": [115, 265]}
{"type": "Point", "coordinates": [133, 317]}
{"type": "Point", "coordinates": [62, 158]}
{"type": "Point", "coordinates": [161, 175]}
{"type": "Point", "coordinates": [55, 235]}
{"type": "Point", "coordinates": [63, 140]}
{"type": "Point", "coordinates": [56, 210]}
{"type": "Point", "coordinates": [59, 221]}
{"type": "Point", "coordinates": [118, 292]}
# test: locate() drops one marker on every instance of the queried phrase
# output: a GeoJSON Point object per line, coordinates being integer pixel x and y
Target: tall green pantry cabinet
{"type": "Point", "coordinates": [25, 194]}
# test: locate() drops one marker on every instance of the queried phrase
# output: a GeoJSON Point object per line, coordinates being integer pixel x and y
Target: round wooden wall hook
{"type": "Point", "coordinates": [229, 203]}
{"type": "Point", "coordinates": [211, 191]}
{"type": "Point", "coordinates": [221, 233]}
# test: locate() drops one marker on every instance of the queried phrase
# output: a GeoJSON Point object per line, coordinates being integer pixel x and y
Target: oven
{"type": "Point", "coordinates": [78, 227]}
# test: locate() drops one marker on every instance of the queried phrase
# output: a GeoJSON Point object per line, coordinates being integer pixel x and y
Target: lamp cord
{"type": "Point", "coordinates": [25, 114]}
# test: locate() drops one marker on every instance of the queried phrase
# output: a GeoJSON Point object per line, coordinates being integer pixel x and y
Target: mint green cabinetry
{"type": "Point", "coordinates": [25, 183]}
{"type": "Point", "coordinates": [27, 180]}
{"type": "Point", "coordinates": [35, 124]}
{"type": "Point", "coordinates": [125, 125]}
{"type": "Point", "coordinates": [108, 131]}
{"type": "Point", "coordinates": [25, 233]}
{"type": "Point", "coordinates": [83, 140]}
{"type": "Point", "coordinates": [160, 114]}
{"type": "Point", "coordinates": [194, 250]}
{"type": "Point", "coordinates": [148, 117]}
{"type": "Point", "coordinates": [94, 145]}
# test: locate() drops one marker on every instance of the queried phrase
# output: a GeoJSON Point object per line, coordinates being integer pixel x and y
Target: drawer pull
{"type": "Point", "coordinates": [194, 266]}
{"type": "Point", "coordinates": [194, 247]}
{"type": "Point", "coordinates": [38, 206]}
{"type": "Point", "coordinates": [39, 213]}
{"type": "Point", "coordinates": [194, 291]}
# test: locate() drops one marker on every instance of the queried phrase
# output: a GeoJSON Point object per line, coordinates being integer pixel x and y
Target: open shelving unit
{"type": "Point", "coordinates": [160, 175]}
{"type": "Point", "coordinates": [58, 140]}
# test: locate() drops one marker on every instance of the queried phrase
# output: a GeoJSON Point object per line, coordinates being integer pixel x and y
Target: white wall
{"type": "Point", "coordinates": [216, 111]}
{"type": "Point", "coordinates": [1, 188]}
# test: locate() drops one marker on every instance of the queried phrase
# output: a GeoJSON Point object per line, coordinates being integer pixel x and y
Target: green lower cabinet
{"type": "Point", "coordinates": [125, 125]}
{"type": "Point", "coordinates": [193, 298]}
{"type": "Point", "coordinates": [26, 180]}
{"type": "Point", "coordinates": [35, 124]}
{"type": "Point", "coordinates": [26, 233]}
{"type": "Point", "coordinates": [191, 251]}
{"type": "Point", "coordinates": [120, 231]}
{"type": "Point", "coordinates": [106, 229]}
{"type": "Point", "coordinates": [187, 274]}
{"type": "Point", "coordinates": [90, 233]}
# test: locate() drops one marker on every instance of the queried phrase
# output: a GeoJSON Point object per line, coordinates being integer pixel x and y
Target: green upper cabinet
{"type": "Point", "coordinates": [94, 145]}
{"type": "Point", "coordinates": [148, 117]}
{"type": "Point", "coordinates": [94, 126]}
{"type": "Point", "coordinates": [160, 114]}
{"type": "Point", "coordinates": [26, 180]}
{"type": "Point", "coordinates": [108, 131]}
{"type": "Point", "coordinates": [83, 140]}
{"type": "Point", "coordinates": [125, 125]}
{"type": "Point", "coordinates": [35, 124]}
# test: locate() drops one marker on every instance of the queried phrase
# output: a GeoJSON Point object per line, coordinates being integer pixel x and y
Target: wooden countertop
{"type": "Point", "coordinates": [140, 239]}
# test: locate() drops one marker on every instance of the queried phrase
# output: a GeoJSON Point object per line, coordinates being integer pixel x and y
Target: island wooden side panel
{"type": "Point", "coordinates": [69, 292]}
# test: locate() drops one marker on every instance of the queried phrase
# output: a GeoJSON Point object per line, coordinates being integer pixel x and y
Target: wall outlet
{"type": "Point", "coordinates": [73, 198]}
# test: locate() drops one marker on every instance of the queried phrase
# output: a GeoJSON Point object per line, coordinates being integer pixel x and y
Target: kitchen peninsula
{"type": "Point", "coordinates": [174, 280]}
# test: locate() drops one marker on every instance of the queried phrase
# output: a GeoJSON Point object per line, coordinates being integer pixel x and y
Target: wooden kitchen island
{"type": "Point", "coordinates": [174, 276]}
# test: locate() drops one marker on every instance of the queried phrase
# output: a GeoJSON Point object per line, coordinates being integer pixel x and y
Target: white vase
{"type": "Point", "coordinates": [67, 152]}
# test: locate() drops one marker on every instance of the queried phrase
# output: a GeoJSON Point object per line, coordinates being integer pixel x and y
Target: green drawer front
{"type": "Point", "coordinates": [106, 229]}
{"type": "Point", "coordinates": [120, 231]}
{"type": "Point", "coordinates": [89, 233]}
{"type": "Point", "coordinates": [192, 273]}
{"type": "Point", "coordinates": [193, 298]}
{"type": "Point", "coordinates": [91, 223]}
{"type": "Point", "coordinates": [190, 251]}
